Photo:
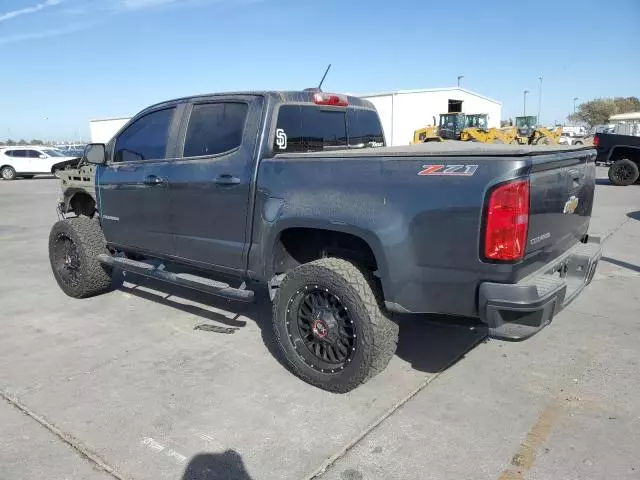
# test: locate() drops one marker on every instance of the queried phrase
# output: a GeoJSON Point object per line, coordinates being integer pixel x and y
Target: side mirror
{"type": "Point", "coordinates": [96, 153]}
{"type": "Point", "coordinates": [42, 155]}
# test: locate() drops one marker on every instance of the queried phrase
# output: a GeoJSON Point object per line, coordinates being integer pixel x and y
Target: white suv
{"type": "Point", "coordinates": [26, 162]}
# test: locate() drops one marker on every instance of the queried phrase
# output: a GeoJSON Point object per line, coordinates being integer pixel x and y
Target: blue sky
{"type": "Point", "coordinates": [64, 62]}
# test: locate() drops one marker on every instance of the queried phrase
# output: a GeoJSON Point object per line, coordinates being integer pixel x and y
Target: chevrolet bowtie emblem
{"type": "Point", "coordinates": [571, 204]}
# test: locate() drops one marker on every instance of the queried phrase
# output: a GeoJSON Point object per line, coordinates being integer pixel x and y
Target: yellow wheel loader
{"type": "Point", "coordinates": [459, 126]}
{"type": "Point", "coordinates": [526, 132]}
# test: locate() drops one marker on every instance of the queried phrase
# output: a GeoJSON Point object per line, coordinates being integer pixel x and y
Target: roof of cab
{"type": "Point", "coordinates": [285, 96]}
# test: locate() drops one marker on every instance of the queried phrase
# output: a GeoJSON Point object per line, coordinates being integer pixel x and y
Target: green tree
{"type": "Point", "coordinates": [23, 142]}
{"type": "Point", "coordinates": [10, 142]}
{"type": "Point", "coordinates": [36, 142]}
{"type": "Point", "coordinates": [598, 111]}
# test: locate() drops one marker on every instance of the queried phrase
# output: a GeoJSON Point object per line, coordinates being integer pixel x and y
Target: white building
{"type": "Point", "coordinates": [405, 111]}
{"type": "Point", "coordinates": [104, 129]}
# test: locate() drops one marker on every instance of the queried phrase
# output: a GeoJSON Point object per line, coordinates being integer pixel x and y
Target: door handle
{"type": "Point", "coordinates": [227, 179]}
{"type": "Point", "coordinates": [152, 180]}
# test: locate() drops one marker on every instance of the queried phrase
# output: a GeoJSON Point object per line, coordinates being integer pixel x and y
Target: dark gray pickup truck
{"type": "Point", "coordinates": [297, 191]}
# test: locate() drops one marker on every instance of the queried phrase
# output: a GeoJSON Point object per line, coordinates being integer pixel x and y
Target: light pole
{"type": "Point", "coordinates": [524, 109]}
{"type": "Point", "coordinates": [540, 99]}
{"type": "Point", "coordinates": [46, 119]}
{"type": "Point", "coordinates": [460, 77]}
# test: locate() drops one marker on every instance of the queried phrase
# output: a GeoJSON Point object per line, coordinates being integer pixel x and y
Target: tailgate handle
{"type": "Point", "coordinates": [575, 176]}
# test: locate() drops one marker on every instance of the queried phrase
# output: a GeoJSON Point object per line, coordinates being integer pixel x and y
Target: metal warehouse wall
{"type": "Point", "coordinates": [103, 130]}
{"type": "Point", "coordinates": [402, 113]}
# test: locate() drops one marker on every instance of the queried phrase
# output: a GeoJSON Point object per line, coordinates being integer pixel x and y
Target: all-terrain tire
{"type": "Point", "coordinates": [623, 172]}
{"type": "Point", "coordinates": [377, 335]}
{"type": "Point", "coordinates": [74, 246]}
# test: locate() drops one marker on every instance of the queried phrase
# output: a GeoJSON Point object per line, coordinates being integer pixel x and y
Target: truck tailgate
{"type": "Point", "coordinates": [561, 187]}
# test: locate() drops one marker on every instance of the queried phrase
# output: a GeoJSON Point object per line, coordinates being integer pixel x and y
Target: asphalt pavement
{"type": "Point", "coordinates": [128, 385]}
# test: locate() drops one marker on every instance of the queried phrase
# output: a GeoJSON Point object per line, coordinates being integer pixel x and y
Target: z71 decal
{"type": "Point", "coordinates": [450, 170]}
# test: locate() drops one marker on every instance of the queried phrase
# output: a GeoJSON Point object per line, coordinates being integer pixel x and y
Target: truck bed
{"type": "Point", "coordinates": [448, 148]}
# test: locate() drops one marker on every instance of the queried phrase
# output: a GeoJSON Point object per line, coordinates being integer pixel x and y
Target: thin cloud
{"type": "Point", "coordinates": [136, 5]}
{"type": "Point", "coordinates": [27, 10]}
{"type": "Point", "coordinates": [21, 37]}
{"type": "Point", "coordinates": [142, 4]}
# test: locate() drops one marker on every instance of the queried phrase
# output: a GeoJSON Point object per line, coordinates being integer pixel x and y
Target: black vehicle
{"type": "Point", "coordinates": [622, 154]}
{"type": "Point", "coordinates": [297, 191]}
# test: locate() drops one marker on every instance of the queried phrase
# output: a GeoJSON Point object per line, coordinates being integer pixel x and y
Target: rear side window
{"type": "Point", "coordinates": [145, 139]}
{"type": "Point", "coordinates": [307, 128]}
{"type": "Point", "coordinates": [363, 127]}
{"type": "Point", "coordinates": [215, 128]}
{"type": "Point", "coordinates": [18, 153]}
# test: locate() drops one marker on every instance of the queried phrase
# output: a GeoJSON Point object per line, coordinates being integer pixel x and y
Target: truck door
{"type": "Point", "coordinates": [209, 185]}
{"type": "Point", "coordinates": [132, 187]}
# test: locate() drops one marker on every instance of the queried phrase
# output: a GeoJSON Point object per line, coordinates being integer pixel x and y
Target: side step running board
{"type": "Point", "coordinates": [194, 282]}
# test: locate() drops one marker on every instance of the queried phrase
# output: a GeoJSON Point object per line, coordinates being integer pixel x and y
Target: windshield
{"type": "Point", "coordinates": [477, 121]}
{"type": "Point", "coordinates": [53, 153]}
{"type": "Point", "coordinates": [523, 122]}
{"type": "Point", "coordinates": [452, 121]}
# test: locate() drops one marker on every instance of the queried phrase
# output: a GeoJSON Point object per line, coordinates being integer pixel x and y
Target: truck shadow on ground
{"type": "Point", "coordinates": [37, 177]}
{"type": "Point", "coordinates": [216, 466]}
{"type": "Point", "coordinates": [430, 343]}
{"type": "Point", "coordinates": [620, 263]}
{"type": "Point", "coordinates": [604, 181]}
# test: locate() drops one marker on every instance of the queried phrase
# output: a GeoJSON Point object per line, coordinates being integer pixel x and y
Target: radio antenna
{"type": "Point", "coordinates": [324, 76]}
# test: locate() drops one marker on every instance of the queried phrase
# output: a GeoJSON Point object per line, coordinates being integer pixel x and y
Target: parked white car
{"type": "Point", "coordinates": [26, 162]}
{"type": "Point", "coordinates": [571, 140]}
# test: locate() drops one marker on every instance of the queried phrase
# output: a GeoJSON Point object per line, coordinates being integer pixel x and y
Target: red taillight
{"type": "Point", "coordinates": [596, 141]}
{"type": "Point", "coordinates": [507, 222]}
{"type": "Point", "coordinates": [321, 98]}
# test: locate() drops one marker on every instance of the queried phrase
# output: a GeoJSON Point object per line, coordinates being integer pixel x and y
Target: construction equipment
{"type": "Point", "coordinates": [426, 134]}
{"type": "Point", "coordinates": [460, 126]}
{"type": "Point", "coordinates": [527, 132]}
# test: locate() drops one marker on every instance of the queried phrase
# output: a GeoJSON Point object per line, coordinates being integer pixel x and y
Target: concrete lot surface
{"type": "Point", "coordinates": [123, 386]}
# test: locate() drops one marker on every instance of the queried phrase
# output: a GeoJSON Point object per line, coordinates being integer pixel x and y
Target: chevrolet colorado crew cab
{"type": "Point", "coordinates": [297, 191]}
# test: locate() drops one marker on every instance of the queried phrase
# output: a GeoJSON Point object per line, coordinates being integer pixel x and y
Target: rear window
{"type": "Point", "coordinates": [307, 128]}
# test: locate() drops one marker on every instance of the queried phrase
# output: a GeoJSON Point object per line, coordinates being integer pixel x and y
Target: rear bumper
{"type": "Point", "coordinates": [517, 311]}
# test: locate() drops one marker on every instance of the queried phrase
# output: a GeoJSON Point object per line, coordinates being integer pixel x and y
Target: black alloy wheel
{"type": "Point", "coordinates": [623, 172]}
{"type": "Point", "coordinates": [66, 260]}
{"type": "Point", "coordinates": [320, 329]}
